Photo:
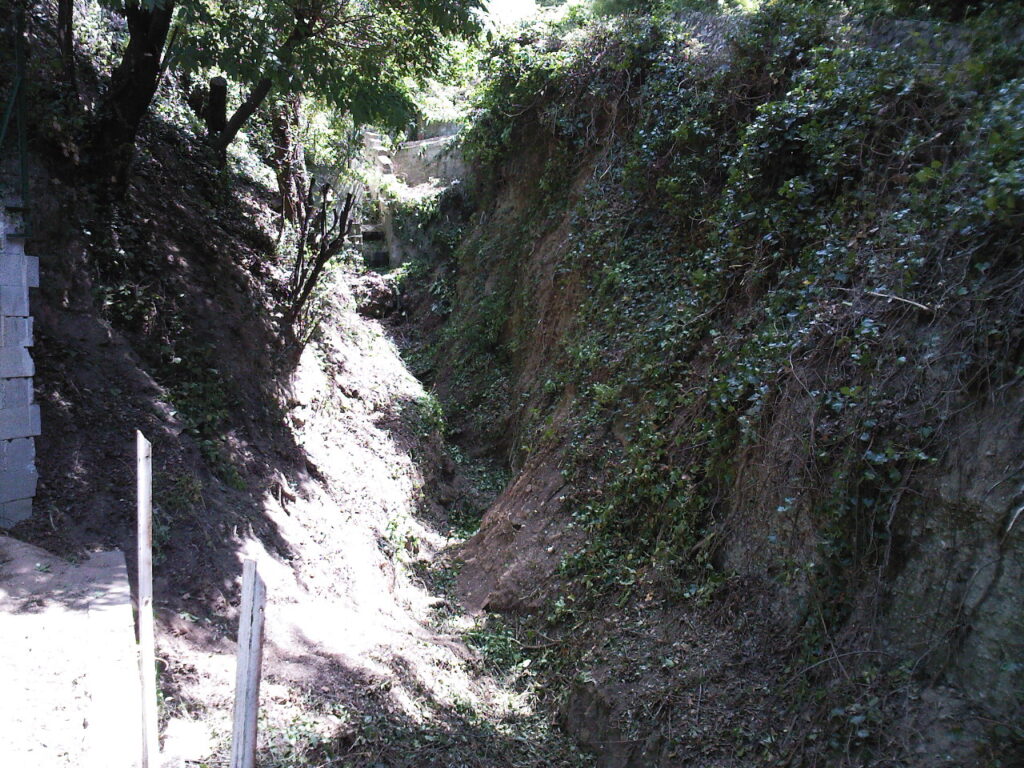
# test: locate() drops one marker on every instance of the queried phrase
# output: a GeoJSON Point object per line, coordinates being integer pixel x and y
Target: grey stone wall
{"type": "Point", "coordinates": [417, 162]}
{"type": "Point", "coordinates": [19, 416]}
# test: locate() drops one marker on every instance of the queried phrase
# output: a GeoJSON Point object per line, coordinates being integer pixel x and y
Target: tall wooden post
{"type": "Point", "coordinates": [147, 639]}
{"type": "Point", "coordinates": [250, 666]}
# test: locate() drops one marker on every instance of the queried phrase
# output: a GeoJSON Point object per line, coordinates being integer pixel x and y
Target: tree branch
{"type": "Point", "coordinates": [325, 251]}
{"type": "Point", "coordinates": [245, 110]}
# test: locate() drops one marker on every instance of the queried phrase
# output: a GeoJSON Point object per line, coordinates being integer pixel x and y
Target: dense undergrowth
{"type": "Point", "coordinates": [810, 173]}
{"type": "Point", "coordinates": [789, 248]}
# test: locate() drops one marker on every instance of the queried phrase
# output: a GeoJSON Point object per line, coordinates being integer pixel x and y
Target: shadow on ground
{"type": "Point", "coordinates": [156, 315]}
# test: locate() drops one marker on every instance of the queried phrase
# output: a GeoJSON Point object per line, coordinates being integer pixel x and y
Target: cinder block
{"type": "Point", "coordinates": [13, 512]}
{"type": "Point", "coordinates": [14, 269]}
{"type": "Point", "coordinates": [18, 484]}
{"type": "Point", "coordinates": [14, 247]}
{"type": "Point", "coordinates": [14, 242]}
{"type": "Point", "coordinates": [22, 451]}
{"type": "Point", "coordinates": [16, 331]}
{"type": "Point", "coordinates": [15, 393]}
{"type": "Point", "coordinates": [14, 300]}
{"type": "Point", "coordinates": [16, 362]}
{"type": "Point", "coordinates": [18, 454]}
{"type": "Point", "coordinates": [19, 422]}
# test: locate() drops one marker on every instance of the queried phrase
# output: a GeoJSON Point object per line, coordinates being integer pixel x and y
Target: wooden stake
{"type": "Point", "coordinates": [147, 639]}
{"type": "Point", "coordinates": [250, 665]}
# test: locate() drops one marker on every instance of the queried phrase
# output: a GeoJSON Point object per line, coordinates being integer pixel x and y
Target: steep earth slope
{"type": "Point", "coordinates": [741, 309]}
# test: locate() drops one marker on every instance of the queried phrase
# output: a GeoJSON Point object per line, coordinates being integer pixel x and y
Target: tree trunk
{"type": "Point", "coordinates": [289, 158]}
{"type": "Point", "coordinates": [260, 91]}
{"type": "Point", "coordinates": [243, 113]}
{"type": "Point", "coordinates": [132, 88]}
{"type": "Point", "coordinates": [66, 35]}
{"type": "Point", "coordinates": [217, 106]}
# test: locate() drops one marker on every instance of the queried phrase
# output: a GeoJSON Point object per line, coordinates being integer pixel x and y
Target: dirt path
{"type": "Point", "coordinates": [69, 679]}
{"type": "Point", "coordinates": [365, 663]}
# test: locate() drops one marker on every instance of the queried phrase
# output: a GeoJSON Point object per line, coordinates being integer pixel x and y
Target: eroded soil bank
{"type": "Point", "coordinates": [748, 336]}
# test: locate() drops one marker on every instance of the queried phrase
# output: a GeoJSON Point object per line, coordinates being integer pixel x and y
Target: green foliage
{"type": "Point", "coordinates": [497, 642]}
{"type": "Point", "coordinates": [950, 10]}
{"type": "Point", "coordinates": [94, 34]}
{"type": "Point", "coordinates": [329, 138]}
{"type": "Point", "coordinates": [618, 7]}
{"type": "Point", "coordinates": [759, 239]}
{"type": "Point", "coordinates": [545, 65]}
{"type": "Point", "coordinates": [432, 223]}
{"type": "Point", "coordinates": [428, 416]}
{"type": "Point", "coordinates": [198, 394]}
{"type": "Point", "coordinates": [1000, 136]}
{"type": "Point", "coordinates": [355, 57]}
{"type": "Point", "coordinates": [516, 73]}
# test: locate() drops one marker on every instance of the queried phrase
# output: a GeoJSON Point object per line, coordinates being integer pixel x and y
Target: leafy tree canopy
{"type": "Point", "coordinates": [354, 54]}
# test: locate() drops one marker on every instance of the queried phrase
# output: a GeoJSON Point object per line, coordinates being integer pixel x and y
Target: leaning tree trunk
{"type": "Point", "coordinates": [289, 159]}
{"type": "Point", "coordinates": [132, 88]}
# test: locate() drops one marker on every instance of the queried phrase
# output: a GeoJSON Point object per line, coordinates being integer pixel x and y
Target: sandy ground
{"type": "Point", "coordinates": [69, 690]}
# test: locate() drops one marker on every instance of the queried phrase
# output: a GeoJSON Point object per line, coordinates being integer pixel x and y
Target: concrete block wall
{"type": "Point", "coordinates": [417, 162]}
{"type": "Point", "coordinates": [19, 416]}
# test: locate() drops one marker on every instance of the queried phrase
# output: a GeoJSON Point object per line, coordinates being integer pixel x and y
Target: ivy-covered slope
{"type": "Point", "coordinates": [743, 304]}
